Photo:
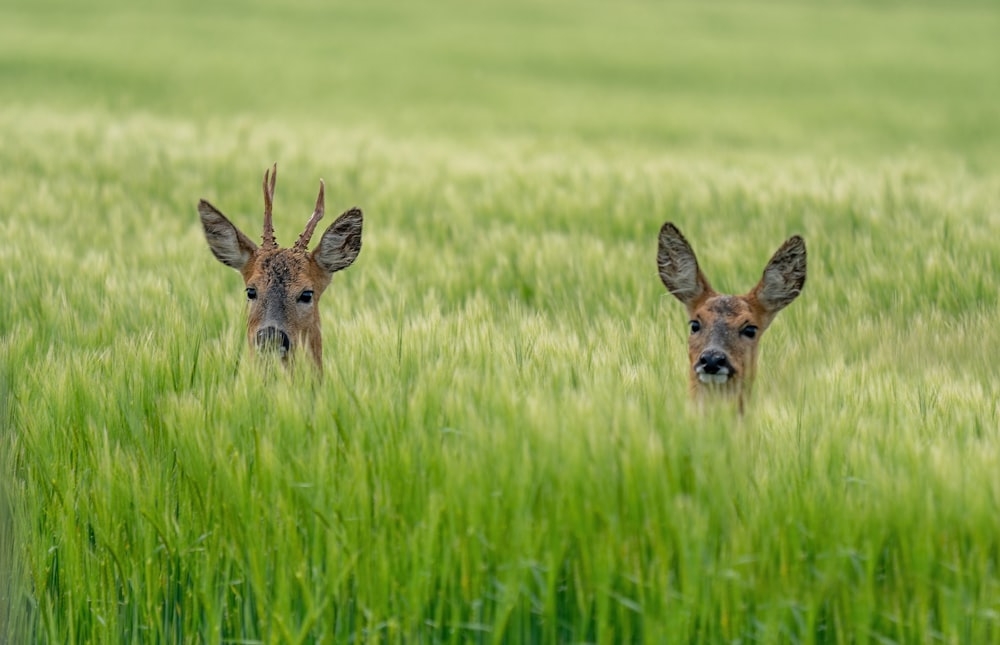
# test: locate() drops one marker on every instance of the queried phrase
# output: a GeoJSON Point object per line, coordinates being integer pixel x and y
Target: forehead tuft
{"type": "Point", "coordinates": [282, 265]}
{"type": "Point", "coordinates": [727, 306]}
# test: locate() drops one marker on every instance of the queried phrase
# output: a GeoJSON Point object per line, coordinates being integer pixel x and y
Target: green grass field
{"type": "Point", "coordinates": [501, 448]}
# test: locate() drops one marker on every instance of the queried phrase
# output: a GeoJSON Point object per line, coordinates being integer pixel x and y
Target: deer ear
{"type": "Point", "coordinates": [679, 267]}
{"type": "Point", "coordinates": [228, 243]}
{"type": "Point", "coordinates": [341, 243]}
{"type": "Point", "coordinates": [784, 276]}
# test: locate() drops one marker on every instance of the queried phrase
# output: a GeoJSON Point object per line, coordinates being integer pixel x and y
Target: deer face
{"type": "Point", "coordinates": [726, 330]}
{"type": "Point", "coordinates": [283, 286]}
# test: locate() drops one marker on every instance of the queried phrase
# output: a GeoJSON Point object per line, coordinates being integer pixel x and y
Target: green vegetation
{"type": "Point", "coordinates": [501, 448]}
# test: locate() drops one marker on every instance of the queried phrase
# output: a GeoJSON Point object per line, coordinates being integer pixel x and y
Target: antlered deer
{"type": "Point", "coordinates": [725, 330]}
{"type": "Point", "coordinates": [284, 286]}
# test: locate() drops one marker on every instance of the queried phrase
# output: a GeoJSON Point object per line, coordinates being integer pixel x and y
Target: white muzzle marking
{"type": "Point", "coordinates": [719, 378]}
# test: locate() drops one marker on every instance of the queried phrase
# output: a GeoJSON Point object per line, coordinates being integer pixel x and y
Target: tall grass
{"type": "Point", "coordinates": [500, 448]}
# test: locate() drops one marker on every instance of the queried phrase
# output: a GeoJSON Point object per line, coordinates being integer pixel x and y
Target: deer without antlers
{"type": "Point", "coordinates": [725, 330]}
{"type": "Point", "coordinates": [283, 286]}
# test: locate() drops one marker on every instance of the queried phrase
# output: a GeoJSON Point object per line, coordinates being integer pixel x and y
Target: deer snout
{"type": "Point", "coordinates": [713, 366]}
{"type": "Point", "coordinates": [273, 339]}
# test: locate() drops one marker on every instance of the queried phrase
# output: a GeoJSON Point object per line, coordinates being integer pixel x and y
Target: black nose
{"type": "Point", "coordinates": [272, 338]}
{"type": "Point", "coordinates": [712, 362]}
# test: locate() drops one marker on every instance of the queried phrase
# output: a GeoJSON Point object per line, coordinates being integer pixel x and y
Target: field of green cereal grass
{"type": "Point", "coordinates": [501, 448]}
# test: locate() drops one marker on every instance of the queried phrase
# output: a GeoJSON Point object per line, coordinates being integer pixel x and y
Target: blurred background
{"type": "Point", "coordinates": [858, 78]}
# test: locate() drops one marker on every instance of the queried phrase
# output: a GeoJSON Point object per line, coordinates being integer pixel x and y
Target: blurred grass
{"type": "Point", "coordinates": [874, 78]}
{"type": "Point", "coordinates": [501, 448]}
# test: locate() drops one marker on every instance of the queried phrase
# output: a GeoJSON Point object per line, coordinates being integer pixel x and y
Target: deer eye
{"type": "Point", "coordinates": [695, 326]}
{"type": "Point", "coordinates": [306, 297]}
{"type": "Point", "coordinates": [251, 293]}
{"type": "Point", "coordinates": [749, 331]}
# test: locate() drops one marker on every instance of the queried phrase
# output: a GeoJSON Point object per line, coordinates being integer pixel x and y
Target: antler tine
{"type": "Point", "coordinates": [269, 178]}
{"type": "Point", "coordinates": [303, 243]}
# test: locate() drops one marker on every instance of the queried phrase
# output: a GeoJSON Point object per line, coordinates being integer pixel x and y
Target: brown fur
{"type": "Point", "coordinates": [721, 324]}
{"type": "Point", "coordinates": [280, 277]}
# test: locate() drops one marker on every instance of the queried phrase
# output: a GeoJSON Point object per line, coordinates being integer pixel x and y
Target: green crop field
{"type": "Point", "coordinates": [500, 448]}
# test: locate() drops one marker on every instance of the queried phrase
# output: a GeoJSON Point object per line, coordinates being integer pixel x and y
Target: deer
{"type": "Point", "coordinates": [284, 285]}
{"type": "Point", "coordinates": [725, 330]}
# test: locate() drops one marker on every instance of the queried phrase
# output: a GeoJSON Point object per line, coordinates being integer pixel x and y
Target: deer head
{"type": "Point", "coordinates": [283, 286]}
{"type": "Point", "coordinates": [726, 330]}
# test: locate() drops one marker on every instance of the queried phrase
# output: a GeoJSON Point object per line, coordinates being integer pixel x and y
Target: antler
{"type": "Point", "coordinates": [303, 243]}
{"type": "Point", "coordinates": [269, 178]}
